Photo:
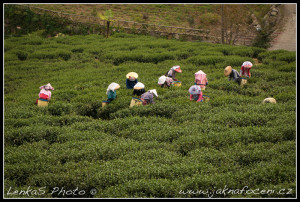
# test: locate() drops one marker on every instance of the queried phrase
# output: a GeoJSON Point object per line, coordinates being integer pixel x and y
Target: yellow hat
{"type": "Point", "coordinates": [269, 100]}
{"type": "Point", "coordinates": [227, 70]}
{"type": "Point", "coordinates": [132, 75]}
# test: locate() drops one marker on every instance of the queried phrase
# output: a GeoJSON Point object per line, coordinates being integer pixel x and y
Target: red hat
{"type": "Point", "coordinates": [177, 68]}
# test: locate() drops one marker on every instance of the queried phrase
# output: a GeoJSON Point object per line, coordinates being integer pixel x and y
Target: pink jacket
{"type": "Point", "coordinates": [44, 92]}
{"type": "Point", "coordinates": [199, 97]}
{"type": "Point", "coordinates": [200, 79]}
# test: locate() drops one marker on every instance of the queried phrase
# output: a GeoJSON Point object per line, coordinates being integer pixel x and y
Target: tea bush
{"type": "Point", "coordinates": [162, 150]}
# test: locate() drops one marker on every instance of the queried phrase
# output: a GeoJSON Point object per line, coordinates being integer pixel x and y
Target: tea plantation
{"type": "Point", "coordinates": [230, 147]}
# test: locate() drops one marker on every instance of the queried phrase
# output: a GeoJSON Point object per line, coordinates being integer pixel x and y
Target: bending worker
{"type": "Point", "coordinates": [111, 91]}
{"type": "Point", "coordinates": [165, 82]}
{"type": "Point", "coordinates": [147, 97]}
{"type": "Point", "coordinates": [131, 80]}
{"type": "Point", "coordinates": [44, 95]}
{"type": "Point", "coordinates": [200, 79]}
{"type": "Point", "coordinates": [172, 72]}
{"type": "Point", "coordinates": [245, 69]}
{"type": "Point", "coordinates": [232, 74]}
{"type": "Point", "coordinates": [45, 92]}
{"type": "Point", "coordinates": [138, 89]}
{"type": "Point", "coordinates": [196, 93]}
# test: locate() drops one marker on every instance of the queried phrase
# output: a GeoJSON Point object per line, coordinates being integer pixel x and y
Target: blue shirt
{"type": "Point", "coordinates": [130, 84]}
{"type": "Point", "coordinates": [111, 95]}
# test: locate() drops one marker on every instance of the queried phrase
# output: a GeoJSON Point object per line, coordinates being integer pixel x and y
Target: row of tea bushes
{"type": "Point", "coordinates": [160, 150]}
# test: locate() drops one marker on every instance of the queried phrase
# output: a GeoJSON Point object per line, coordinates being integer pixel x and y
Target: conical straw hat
{"type": "Point", "coordinates": [132, 74]}
{"type": "Point", "coordinates": [139, 86]}
{"type": "Point", "coordinates": [269, 100]}
{"type": "Point", "coordinates": [154, 92]}
{"type": "Point", "coordinates": [161, 80]}
{"type": "Point", "coordinates": [227, 70]}
{"type": "Point", "coordinates": [113, 86]}
{"type": "Point", "coordinates": [47, 87]}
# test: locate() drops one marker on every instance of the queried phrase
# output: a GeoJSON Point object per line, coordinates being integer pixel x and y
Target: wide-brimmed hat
{"type": "Point", "coordinates": [177, 68]}
{"type": "Point", "coordinates": [247, 64]}
{"type": "Point", "coordinates": [113, 86]}
{"type": "Point", "coordinates": [269, 100]}
{"type": "Point", "coordinates": [162, 80]}
{"type": "Point", "coordinates": [194, 90]}
{"type": "Point", "coordinates": [199, 72]}
{"type": "Point", "coordinates": [132, 75]}
{"type": "Point", "coordinates": [227, 70]}
{"type": "Point", "coordinates": [200, 75]}
{"type": "Point", "coordinates": [153, 91]}
{"type": "Point", "coordinates": [47, 87]}
{"type": "Point", "coordinates": [139, 86]}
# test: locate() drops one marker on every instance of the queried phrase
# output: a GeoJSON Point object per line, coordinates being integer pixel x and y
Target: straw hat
{"type": "Point", "coordinates": [269, 100]}
{"type": "Point", "coordinates": [227, 70]}
{"type": "Point", "coordinates": [153, 91]}
{"type": "Point", "coordinates": [139, 86]}
{"type": "Point", "coordinates": [132, 75]}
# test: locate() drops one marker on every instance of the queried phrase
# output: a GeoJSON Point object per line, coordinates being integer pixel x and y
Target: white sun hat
{"type": "Point", "coordinates": [153, 91]}
{"type": "Point", "coordinates": [247, 64]}
{"type": "Point", "coordinates": [195, 89]}
{"type": "Point", "coordinates": [139, 86]}
{"type": "Point", "coordinates": [113, 86]}
{"type": "Point", "coordinates": [47, 87]}
{"type": "Point", "coordinates": [162, 80]}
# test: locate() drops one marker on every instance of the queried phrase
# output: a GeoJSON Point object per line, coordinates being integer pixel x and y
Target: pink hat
{"type": "Point", "coordinates": [47, 87]}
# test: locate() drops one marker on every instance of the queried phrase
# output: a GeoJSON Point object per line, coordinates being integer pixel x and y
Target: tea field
{"type": "Point", "coordinates": [230, 147]}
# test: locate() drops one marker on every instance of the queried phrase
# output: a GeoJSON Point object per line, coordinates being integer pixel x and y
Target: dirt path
{"type": "Point", "coordinates": [287, 38]}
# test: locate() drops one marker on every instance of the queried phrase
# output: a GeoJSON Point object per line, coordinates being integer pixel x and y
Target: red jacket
{"type": "Point", "coordinates": [245, 71]}
{"type": "Point", "coordinates": [197, 97]}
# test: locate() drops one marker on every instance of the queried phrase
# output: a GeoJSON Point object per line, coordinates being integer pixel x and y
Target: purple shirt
{"type": "Point", "coordinates": [148, 97]}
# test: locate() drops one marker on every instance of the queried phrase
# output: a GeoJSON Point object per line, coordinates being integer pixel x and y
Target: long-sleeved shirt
{"type": "Point", "coordinates": [197, 97]}
{"type": "Point", "coordinates": [130, 84]}
{"type": "Point", "coordinates": [111, 95]}
{"type": "Point", "coordinates": [45, 94]}
{"type": "Point", "coordinates": [234, 76]}
{"type": "Point", "coordinates": [245, 71]}
{"type": "Point", "coordinates": [148, 98]}
{"type": "Point", "coordinates": [168, 81]}
{"type": "Point", "coordinates": [171, 73]}
{"type": "Point", "coordinates": [200, 79]}
{"type": "Point", "coordinates": [139, 92]}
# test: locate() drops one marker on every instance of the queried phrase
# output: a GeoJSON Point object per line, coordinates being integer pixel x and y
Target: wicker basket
{"type": "Point", "coordinates": [42, 103]}
{"type": "Point", "coordinates": [104, 103]}
{"type": "Point", "coordinates": [176, 83]}
{"type": "Point", "coordinates": [205, 98]}
{"type": "Point", "coordinates": [243, 81]}
{"type": "Point", "coordinates": [135, 102]}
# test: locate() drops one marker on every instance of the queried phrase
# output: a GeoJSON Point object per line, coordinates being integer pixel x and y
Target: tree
{"type": "Point", "coordinates": [108, 15]}
{"type": "Point", "coordinates": [234, 22]}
